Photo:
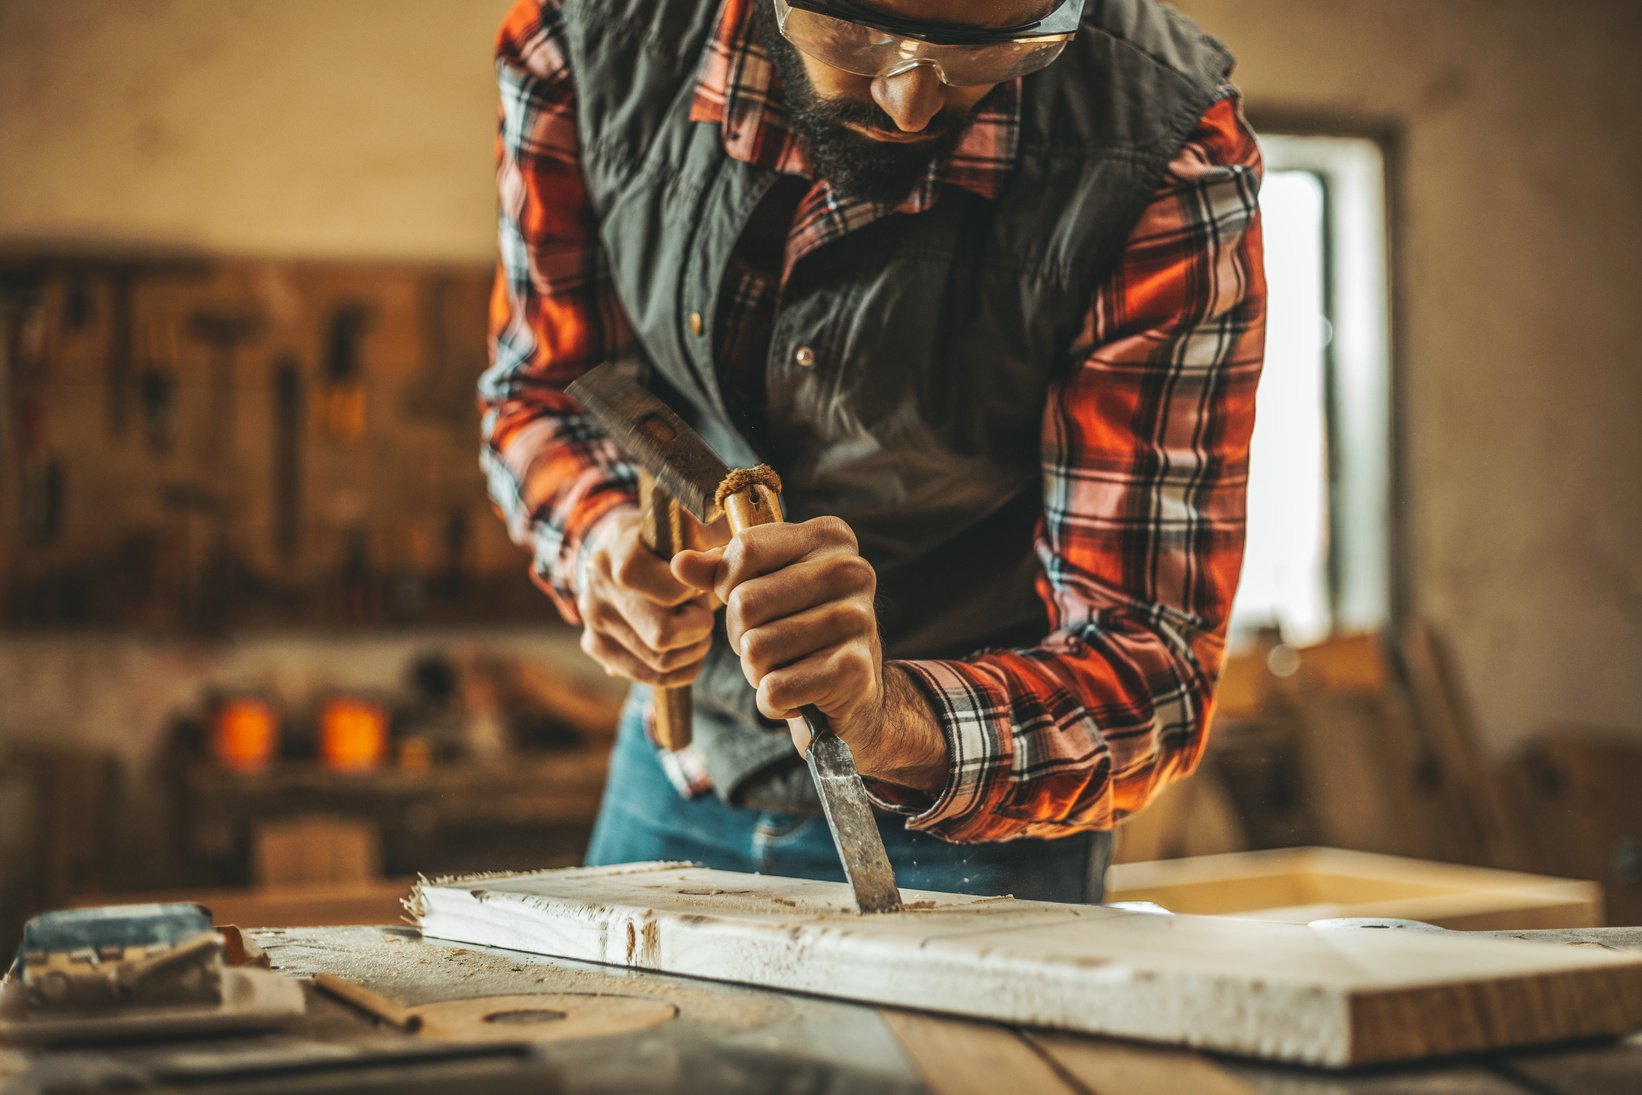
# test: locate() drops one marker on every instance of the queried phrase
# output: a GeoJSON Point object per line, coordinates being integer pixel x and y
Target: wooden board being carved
{"type": "Point", "coordinates": [1336, 997]}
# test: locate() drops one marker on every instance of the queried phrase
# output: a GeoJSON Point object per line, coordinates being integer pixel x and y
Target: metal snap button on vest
{"type": "Point", "coordinates": [695, 323]}
{"type": "Point", "coordinates": [804, 356]}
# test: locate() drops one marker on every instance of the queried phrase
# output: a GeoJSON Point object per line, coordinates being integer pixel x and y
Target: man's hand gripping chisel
{"type": "Point", "coordinates": [686, 469]}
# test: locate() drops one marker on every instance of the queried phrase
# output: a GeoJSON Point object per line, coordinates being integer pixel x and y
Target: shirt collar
{"type": "Point", "coordinates": [739, 89]}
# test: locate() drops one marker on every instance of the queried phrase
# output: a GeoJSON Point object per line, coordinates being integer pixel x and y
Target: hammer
{"type": "Point", "coordinates": [694, 477]}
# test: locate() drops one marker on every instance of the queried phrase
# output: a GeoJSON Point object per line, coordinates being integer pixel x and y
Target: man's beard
{"type": "Point", "coordinates": [854, 164]}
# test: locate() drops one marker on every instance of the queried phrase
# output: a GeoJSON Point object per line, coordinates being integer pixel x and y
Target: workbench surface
{"type": "Point", "coordinates": [726, 1038]}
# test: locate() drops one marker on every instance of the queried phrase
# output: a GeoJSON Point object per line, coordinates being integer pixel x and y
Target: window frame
{"type": "Point", "coordinates": [1368, 588]}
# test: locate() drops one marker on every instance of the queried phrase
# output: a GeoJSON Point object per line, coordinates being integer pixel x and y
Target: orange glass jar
{"type": "Point", "coordinates": [353, 734]}
{"type": "Point", "coordinates": [244, 733]}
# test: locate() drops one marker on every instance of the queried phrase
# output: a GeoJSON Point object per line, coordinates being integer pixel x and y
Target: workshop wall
{"type": "Point", "coordinates": [272, 127]}
{"type": "Point", "coordinates": [364, 129]}
{"type": "Point", "coordinates": [1516, 223]}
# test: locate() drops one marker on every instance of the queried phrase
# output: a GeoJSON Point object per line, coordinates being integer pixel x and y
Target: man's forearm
{"type": "Point", "coordinates": [908, 748]}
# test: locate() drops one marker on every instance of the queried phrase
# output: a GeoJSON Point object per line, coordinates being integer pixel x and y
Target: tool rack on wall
{"type": "Point", "coordinates": [195, 443]}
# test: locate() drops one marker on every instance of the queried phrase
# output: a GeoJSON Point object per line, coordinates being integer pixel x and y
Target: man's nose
{"type": "Point", "coordinates": [912, 97]}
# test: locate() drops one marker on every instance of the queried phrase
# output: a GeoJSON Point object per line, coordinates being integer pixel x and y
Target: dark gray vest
{"type": "Point", "coordinates": [935, 337]}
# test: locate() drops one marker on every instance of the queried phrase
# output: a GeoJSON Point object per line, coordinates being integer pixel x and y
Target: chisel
{"type": "Point", "coordinates": [684, 466]}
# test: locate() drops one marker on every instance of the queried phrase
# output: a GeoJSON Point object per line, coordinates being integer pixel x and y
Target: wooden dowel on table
{"type": "Point", "coordinates": [374, 1004]}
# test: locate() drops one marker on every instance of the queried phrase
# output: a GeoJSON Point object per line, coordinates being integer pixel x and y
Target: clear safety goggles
{"type": "Point", "coordinates": [846, 36]}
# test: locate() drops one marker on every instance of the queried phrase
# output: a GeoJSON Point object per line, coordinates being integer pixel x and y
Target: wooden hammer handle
{"type": "Point", "coordinates": [662, 529]}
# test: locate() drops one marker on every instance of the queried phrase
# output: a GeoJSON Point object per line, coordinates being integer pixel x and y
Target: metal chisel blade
{"type": "Point", "coordinates": [849, 816]}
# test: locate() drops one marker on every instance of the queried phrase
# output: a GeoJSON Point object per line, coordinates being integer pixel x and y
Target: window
{"type": "Point", "coordinates": [1319, 530]}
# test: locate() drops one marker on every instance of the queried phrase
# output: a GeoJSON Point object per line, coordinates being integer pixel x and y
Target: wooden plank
{"type": "Point", "coordinates": [961, 1057]}
{"type": "Point", "coordinates": [1299, 885]}
{"type": "Point", "coordinates": [1277, 991]}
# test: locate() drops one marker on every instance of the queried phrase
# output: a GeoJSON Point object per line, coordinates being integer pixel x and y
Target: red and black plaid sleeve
{"type": "Point", "coordinates": [554, 314]}
{"type": "Point", "coordinates": [1145, 463]}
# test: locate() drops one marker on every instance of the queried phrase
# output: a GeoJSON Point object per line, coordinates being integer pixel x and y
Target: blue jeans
{"type": "Point", "coordinates": [643, 817]}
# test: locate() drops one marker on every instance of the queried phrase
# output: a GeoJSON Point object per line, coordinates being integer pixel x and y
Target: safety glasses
{"type": "Point", "coordinates": [846, 36]}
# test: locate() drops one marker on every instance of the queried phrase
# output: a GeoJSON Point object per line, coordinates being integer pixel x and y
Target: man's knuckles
{"type": "Point", "coordinates": [765, 548]}
{"type": "Point", "coordinates": [839, 581]}
{"type": "Point", "coordinates": [745, 608]}
{"type": "Point", "coordinates": [626, 566]}
{"type": "Point", "coordinates": [856, 573]}
{"type": "Point", "coordinates": [641, 624]}
{"type": "Point", "coordinates": [772, 645]}
{"type": "Point", "coordinates": [667, 636]}
{"type": "Point", "coordinates": [818, 681]}
{"type": "Point", "coordinates": [781, 693]}
{"type": "Point", "coordinates": [670, 628]}
{"type": "Point", "coordinates": [664, 668]}
{"type": "Point", "coordinates": [600, 615]}
{"type": "Point", "coordinates": [856, 617]}
{"type": "Point", "coordinates": [833, 531]}
{"type": "Point", "coordinates": [678, 658]}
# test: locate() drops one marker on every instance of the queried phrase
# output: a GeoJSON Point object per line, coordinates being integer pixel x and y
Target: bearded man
{"type": "Point", "coordinates": [982, 280]}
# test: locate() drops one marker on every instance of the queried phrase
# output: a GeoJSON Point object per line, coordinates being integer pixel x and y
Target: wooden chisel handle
{"type": "Point", "coordinates": [662, 529]}
{"type": "Point", "coordinates": [756, 503]}
{"type": "Point", "coordinates": [760, 504]}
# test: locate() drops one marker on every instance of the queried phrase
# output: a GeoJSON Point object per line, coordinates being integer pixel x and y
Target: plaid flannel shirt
{"type": "Point", "coordinates": [1144, 441]}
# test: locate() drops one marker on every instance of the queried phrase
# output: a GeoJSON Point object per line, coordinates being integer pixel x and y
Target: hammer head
{"type": "Point", "coordinates": [652, 436]}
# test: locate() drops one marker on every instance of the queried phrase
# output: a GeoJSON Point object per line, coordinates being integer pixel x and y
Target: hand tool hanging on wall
{"type": "Point", "coordinates": [157, 391]}
{"type": "Point", "coordinates": [287, 462]}
{"type": "Point", "coordinates": [202, 514]}
{"type": "Point", "coordinates": [456, 540]}
{"type": "Point", "coordinates": [122, 288]}
{"type": "Point", "coordinates": [224, 332]}
{"type": "Point", "coordinates": [19, 305]}
{"type": "Point", "coordinates": [663, 444]}
{"type": "Point", "coordinates": [41, 487]}
{"type": "Point", "coordinates": [359, 587]}
{"type": "Point", "coordinates": [43, 479]}
{"type": "Point", "coordinates": [79, 305]}
{"type": "Point", "coordinates": [341, 404]}
{"type": "Point", "coordinates": [453, 313]}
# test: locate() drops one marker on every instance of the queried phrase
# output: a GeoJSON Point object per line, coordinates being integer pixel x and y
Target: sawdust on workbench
{"type": "Point", "coordinates": [412, 971]}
